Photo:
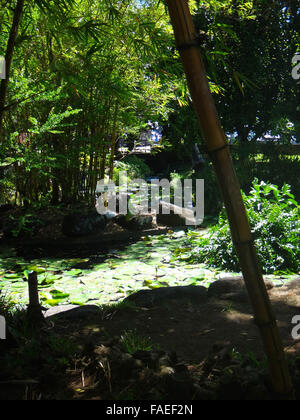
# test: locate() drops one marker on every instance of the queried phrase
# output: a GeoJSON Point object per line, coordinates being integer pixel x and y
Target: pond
{"type": "Point", "coordinates": [108, 278]}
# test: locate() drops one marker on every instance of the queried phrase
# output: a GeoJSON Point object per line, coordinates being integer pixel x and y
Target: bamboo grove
{"type": "Point", "coordinates": [83, 74]}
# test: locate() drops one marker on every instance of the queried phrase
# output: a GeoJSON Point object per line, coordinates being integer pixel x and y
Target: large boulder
{"type": "Point", "coordinates": [154, 297]}
{"type": "Point", "coordinates": [232, 288]}
{"type": "Point", "coordinates": [72, 312]}
{"type": "Point", "coordinates": [175, 217]}
{"type": "Point", "coordinates": [293, 286]}
{"type": "Point", "coordinates": [135, 223]}
{"type": "Point", "coordinates": [170, 220]}
{"type": "Point", "coordinates": [78, 224]}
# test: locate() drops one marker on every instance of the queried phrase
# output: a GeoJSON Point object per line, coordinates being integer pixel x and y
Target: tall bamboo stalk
{"type": "Point", "coordinates": [113, 141]}
{"type": "Point", "coordinates": [217, 147]}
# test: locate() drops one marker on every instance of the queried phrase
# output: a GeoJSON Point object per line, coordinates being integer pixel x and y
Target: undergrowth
{"type": "Point", "coordinates": [274, 218]}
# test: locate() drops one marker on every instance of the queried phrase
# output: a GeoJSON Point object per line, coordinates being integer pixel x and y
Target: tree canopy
{"type": "Point", "coordinates": [83, 74]}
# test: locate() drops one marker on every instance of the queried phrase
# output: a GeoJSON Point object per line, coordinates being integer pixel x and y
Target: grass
{"type": "Point", "coordinates": [228, 308]}
{"type": "Point", "coordinates": [133, 342]}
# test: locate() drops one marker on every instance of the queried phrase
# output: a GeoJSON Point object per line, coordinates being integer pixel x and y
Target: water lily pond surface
{"type": "Point", "coordinates": [104, 279]}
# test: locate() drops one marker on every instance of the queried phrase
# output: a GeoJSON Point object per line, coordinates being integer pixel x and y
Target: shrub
{"type": "Point", "coordinates": [274, 219]}
{"type": "Point", "coordinates": [135, 168]}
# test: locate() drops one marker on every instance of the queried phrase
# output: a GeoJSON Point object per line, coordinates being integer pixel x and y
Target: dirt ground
{"type": "Point", "coordinates": [192, 355]}
{"type": "Point", "coordinates": [193, 333]}
{"type": "Point", "coordinates": [192, 330]}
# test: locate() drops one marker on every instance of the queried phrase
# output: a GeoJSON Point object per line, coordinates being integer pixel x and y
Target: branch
{"type": "Point", "coordinates": [7, 107]}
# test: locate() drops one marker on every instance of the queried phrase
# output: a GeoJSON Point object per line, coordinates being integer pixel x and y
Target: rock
{"type": "Point", "coordinates": [164, 360]}
{"type": "Point", "coordinates": [149, 298]}
{"type": "Point", "coordinates": [170, 220]}
{"type": "Point", "coordinates": [181, 368]}
{"type": "Point", "coordinates": [126, 357]}
{"type": "Point", "coordinates": [72, 311]}
{"type": "Point", "coordinates": [149, 358]}
{"type": "Point", "coordinates": [138, 364]}
{"type": "Point", "coordinates": [125, 366]}
{"type": "Point", "coordinates": [232, 288]}
{"type": "Point", "coordinates": [239, 297]}
{"type": "Point", "coordinates": [293, 285]}
{"type": "Point", "coordinates": [176, 217]}
{"type": "Point", "coordinates": [166, 370]}
{"type": "Point", "coordinates": [269, 284]}
{"type": "Point", "coordinates": [78, 225]}
{"type": "Point", "coordinates": [135, 223]}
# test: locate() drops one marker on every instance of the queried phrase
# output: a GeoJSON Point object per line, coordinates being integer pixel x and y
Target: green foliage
{"type": "Point", "coordinates": [24, 224]}
{"type": "Point", "coordinates": [15, 316]}
{"type": "Point", "coordinates": [132, 342]}
{"type": "Point", "coordinates": [274, 219]}
{"type": "Point", "coordinates": [53, 123]}
{"type": "Point", "coordinates": [7, 189]}
{"type": "Point", "coordinates": [135, 167]}
{"type": "Point", "coordinates": [268, 162]}
{"type": "Point", "coordinates": [247, 47]}
{"type": "Point", "coordinates": [83, 75]}
{"type": "Point", "coordinates": [6, 306]}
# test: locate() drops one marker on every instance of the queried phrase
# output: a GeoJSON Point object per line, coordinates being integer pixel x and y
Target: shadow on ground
{"type": "Point", "coordinates": [177, 350]}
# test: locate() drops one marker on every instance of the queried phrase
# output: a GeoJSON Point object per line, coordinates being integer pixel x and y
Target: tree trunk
{"type": "Point", "coordinates": [34, 312]}
{"type": "Point", "coordinates": [9, 56]}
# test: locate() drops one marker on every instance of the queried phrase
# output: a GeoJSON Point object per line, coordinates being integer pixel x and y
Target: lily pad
{"type": "Point", "coordinates": [196, 279]}
{"type": "Point", "coordinates": [13, 276]}
{"type": "Point", "coordinates": [48, 280]}
{"type": "Point", "coordinates": [74, 273]}
{"type": "Point", "coordinates": [148, 283]}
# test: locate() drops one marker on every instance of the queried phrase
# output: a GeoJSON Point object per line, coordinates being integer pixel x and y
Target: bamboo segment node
{"type": "Point", "coordinates": [217, 150]}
